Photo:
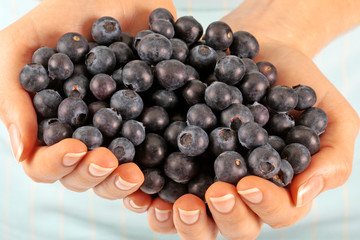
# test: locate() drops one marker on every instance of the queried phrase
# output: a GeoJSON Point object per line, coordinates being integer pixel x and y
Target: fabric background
{"type": "Point", "coordinates": [32, 211]}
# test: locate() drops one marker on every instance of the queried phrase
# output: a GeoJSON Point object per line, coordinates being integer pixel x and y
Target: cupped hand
{"type": "Point", "coordinates": [239, 212]}
{"type": "Point", "coordinates": [67, 161]}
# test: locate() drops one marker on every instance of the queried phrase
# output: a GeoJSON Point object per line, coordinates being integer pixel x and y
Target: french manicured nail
{"type": "Point", "coordinates": [123, 185]}
{"type": "Point", "coordinates": [137, 207]}
{"type": "Point", "coordinates": [189, 217]}
{"type": "Point", "coordinates": [98, 171]}
{"type": "Point", "coordinates": [309, 190]}
{"type": "Point", "coordinates": [16, 143]}
{"type": "Point", "coordinates": [71, 159]}
{"type": "Point", "coordinates": [223, 204]}
{"type": "Point", "coordinates": [162, 215]}
{"type": "Point", "coordinates": [253, 195]}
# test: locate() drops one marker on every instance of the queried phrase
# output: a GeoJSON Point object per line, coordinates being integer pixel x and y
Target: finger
{"type": "Point", "coordinates": [271, 203]}
{"type": "Point", "coordinates": [160, 217]}
{"type": "Point", "coordinates": [191, 220]}
{"type": "Point", "coordinates": [124, 180]}
{"type": "Point", "coordinates": [138, 202]}
{"type": "Point", "coordinates": [49, 164]}
{"type": "Point", "coordinates": [232, 216]}
{"type": "Point", "coordinates": [93, 169]}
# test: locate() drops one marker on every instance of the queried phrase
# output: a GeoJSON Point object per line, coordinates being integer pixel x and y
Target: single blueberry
{"type": "Point", "coordinates": [100, 59]}
{"type": "Point", "coordinates": [264, 162]}
{"type": "Point", "coordinates": [280, 124]}
{"type": "Point", "coordinates": [128, 103]}
{"type": "Point", "coordinates": [188, 29]}
{"type": "Point", "coordinates": [218, 96]}
{"type": "Point", "coordinates": [60, 66]}
{"type": "Point", "coordinates": [244, 45]}
{"type": "Point", "coordinates": [269, 71]}
{"type": "Point", "coordinates": [252, 135]}
{"type": "Point", "coordinates": [305, 136]}
{"type": "Point", "coordinates": [154, 48]}
{"type": "Point", "coordinates": [306, 97]}
{"type": "Point", "coordinates": [297, 155]}
{"type": "Point", "coordinates": [74, 45]}
{"type": "Point", "coordinates": [171, 74]}
{"type": "Point", "coordinates": [154, 180]}
{"type": "Point", "coordinates": [281, 99]}
{"type": "Point", "coordinates": [203, 58]}
{"type": "Point", "coordinates": [155, 118]}
{"type": "Point", "coordinates": [253, 86]}
{"type": "Point", "coordinates": [180, 49]}
{"type": "Point", "coordinates": [172, 131]}
{"type": "Point", "coordinates": [180, 167]}
{"type": "Point", "coordinates": [193, 141]}
{"type": "Point", "coordinates": [314, 118]}
{"type": "Point", "coordinates": [285, 175]}
{"type": "Point", "coordinates": [123, 53]}
{"type": "Point", "coordinates": [55, 132]}
{"type": "Point", "coordinates": [123, 149]}
{"type": "Point", "coordinates": [76, 86]}
{"type": "Point", "coordinates": [230, 167]}
{"type": "Point", "coordinates": [218, 35]}
{"type": "Point", "coordinates": [106, 30]}
{"type": "Point", "coordinates": [152, 151]}
{"type": "Point", "coordinates": [236, 115]}
{"type": "Point", "coordinates": [163, 27]}
{"type": "Point", "coordinates": [202, 116]}
{"type": "Point", "coordinates": [222, 139]}
{"type": "Point", "coordinates": [134, 131]}
{"type": "Point", "coordinates": [260, 113]}
{"type": "Point", "coordinates": [89, 135]}
{"type": "Point", "coordinates": [42, 55]}
{"type": "Point", "coordinates": [108, 121]}
{"type": "Point", "coordinates": [102, 86]}
{"type": "Point", "coordinates": [73, 111]}
{"type": "Point", "coordinates": [137, 75]}
{"type": "Point", "coordinates": [194, 92]}
{"type": "Point", "coordinates": [46, 103]}
{"type": "Point", "coordinates": [230, 70]}
{"type": "Point", "coordinates": [172, 191]}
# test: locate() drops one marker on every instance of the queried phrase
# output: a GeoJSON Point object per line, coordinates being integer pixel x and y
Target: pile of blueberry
{"type": "Point", "coordinates": [181, 108]}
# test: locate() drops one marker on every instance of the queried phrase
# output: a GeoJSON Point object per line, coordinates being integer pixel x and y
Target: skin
{"type": "Point", "coordinates": [279, 44]}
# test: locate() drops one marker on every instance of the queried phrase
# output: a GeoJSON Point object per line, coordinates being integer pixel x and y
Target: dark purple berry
{"type": "Point", "coordinates": [236, 115]}
{"type": "Point", "coordinates": [218, 96]}
{"type": "Point", "coordinates": [96, 106]}
{"type": "Point", "coordinates": [123, 149]}
{"type": "Point", "coordinates": [244, 45]}
{"type": "Point", "coordinates": [117, 76]}
{"type": "Point", "coordinates": [172, 131]}
{"type": "Point", "coordinates": [264, 162]}
{"type": "Point", "coordinates": [202, 116]}
{"type": "Point", "coordinates": [269, 71]}
{"type": "Point", "coordinates": [230, 70]}
{"type": "Point", "coordinates": [102, 86]}
{"type": "Point", "coordinates": [42, 55]}
{"type": "Point", "coordinates": [285, 175]}
{"type": "Point", "coordinates": [230, 167]}
{"type": "Point", "coordinates": [154, 48]}
{"type": "Point", "coordinates": [152, 151]}
{"type": "Point", "coordinates": [314, 118]}
{"type": "Point", "coordinates": [140, 36]}
{"type": "Point", "coordinates": [218, 35]}
{"type": "Point", "coordinates": [297, 155]}
{"type": "Point", "coordinates": [108, 121]}
{"type": "Point", "coordinates": [100, 59]}
{"type": "Point", "coordinates": [74, 45]}
{"type": "Point", "coordinates": [42, 125]}
{"type": "Point", "coordinates": [253, 86]}
{"type": "Point", "coordinates": [73, 111]}
{"type": "Point", "coordinates": [106, 30]}
{"type": "Point", "coordinates": [306, 97]}
{"type": "Point", "coordinates": [134, 131]}
{"type": "Point", "coordinates": [60, 66]}
{"type": "Point", "coordinates": [128, 103]}
{"type": "Point", "coordinates": [203, 58]}
{"type": "Point", "coordinates": [163, 27]}
{"type": "Point", "coordinates": [161, 13]}
{"type": "Point", "coordinates": [154, 180]}
{"type": "Point", "coordinates": [55, 132]}
{"type": "Point", "coordinates": [277, 143]}
{"type": "Point", "coordinates": [250, 65]}
{"type": "Point", "coordinates": [155, 118]}
{"type": "Point", "coordinates": [188, 29]}
{"type": "Point", "coordinates": [172, 191]}
{"type": "Point", "coordinates": [123, 53]}
{"type": "Point", "coordinates": [305, 136]}
{"type": "Point", "coordinates": [260, 113]}
{"type": "Point", "coordinates": [192, 141]}
{"type": "Point", "coordinates": [89, 135]}
{"type": "Point", "coordinates": [180, 50]}
{"type": "Point", "coordinates": [252, 135]}
{"type": "Point", "coordinates": [76, 86]}
{"type": "Point", "coordinates": [281, 98]}
{"type": "Point", "coordinates": [222, 139]}
{"type": "Point", "coordinates": [180, 167]}
{"type": "Point", "coordinates": [137, 75]}
{"type": "Point", "coordinates": [166, 99]}
{"type": "Point", "coordinates": [199, 184]}
{"type": "Point", "coordinates": [194, 92]}
{"type": "Point", "coordinates": [171, 74]}
{"type": "Point", "coordinates": [46, 103]}
{"type": "Point", "coordinates": [191, 73]}
{"type": "Point", "coordinates": [237, 96]}
{"type": "Point", "coordinates": [280, 124]}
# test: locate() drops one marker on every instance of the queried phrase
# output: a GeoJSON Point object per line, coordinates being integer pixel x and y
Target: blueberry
{"type": "Point", "coordinates": [281, 98]}
{"type": "Point", "coordinates": [155, 118]}
{"type": "Point", "coordinates": [74, 45]}
{"type": "Point", "coordinates": [221, 54]}
{"type": "Point", "coordinates": [251, 135]}
{"type": "Point", "coordinates": [192, 141]}
{"type": "Point", "coordinates": [253, 86]}
{"type": "Point", "coordinates": [314, 118]}
{"type": "Point", "coordinates": [305, 136]}
{"type": "Point", "coordinates": [89, 135]}
{"type": "Point", "coordinates": [218, 35]}
{"type": "Point", "coordinates": [218, 96]}
{"type": "Point", "coordinates": [137, 75]}
{"type": "Point", "coordinates": [244, 45]}
{"type": "Point", "coordinates": [139, 36]}
{"type": "Point", "coordinates": [188, 29]}
{"type": "Point", "coordinates": [134, 131]}
{"type": "Point", "coordinates": [230, 167]}
{"type": "Point", "coordinates": [80, 69]}
{"type": "Point", "coordinates": [199, 184]}
{"type": "Point", "coordinates": [102, 86]}
{"type": "Point", "coordinates": [277, 143]}
{"type": "Point", "coordinates": [123, 53]}
{"type": "Point", "coordinates": [55, 132]}
{"type": "Point", "coordinates": [260, 113]}
{"type": "Point", "coordinates": [46, 103]}
{"type": "Point", "coordinates": [264, 162]}
{"type": "Point", "coordinates": [194, 92]}
{"type": "Point", "coordinates": [269, 71]}
{"type": "Point", "coordinates": [306, 97]}
{"type": "Point", "coordinates": [108, 121]}
{"type": "Point", "coordinates": [250, 65]}
{"type": "Point", "coordinates": [96, 106]}
{"type": "Point", "coordinates": [42, 125]}
{"type": "Point", "coordinates": [172, 191]}
{"type": "Point", "coordinates": [123, 149]}
{"type": "Point", "coordinates": [180, 49]}
{"type": "Point", "coordinates": [166, 99]}
{"type": "Point", "coordinates": [237, 96]}
{"type": "Point", "coordinates": [127, 38]}
{"type": "Point", "coordinates": [180, 167]}
{"type": "Point", "coordinates": [76, 86]}
{"type": "Point", "coordinates": [42, 55]}
{"type": "Point", "coordinates": [100, 59]}
{"type": "Point", "coordinates": [222, 139]}
{"type": "Point", "coordinates": [171, 74]}
{"type": "Point", "coordinates": [117, 76]}
{"type": "Point", "coordinates": [154, 47]}
{"type": "Point", "coordinates": [230, 70]}
{"type": "Point", "coordinates": [60, 66]}
{"type": "Point", "coordinates": [73, 111]}
{"type": "Point", "coordinates": [280, 124]}
{"type": "Point", "coordinates": [297, 155]}
{"type": "Point", "coordinates": [161, 13]}
{"type": "Point", "coordinates": [172, 131]}
{"type": "Point", "coordinates": [191, 73]}
{"type": "Point", "coordinates": [285, 175]}
{"type": "Point", "coordinates": [152, 151]}
{"type": "Point", "coordinates": [203, 58]}
{"type": "Point", "coordinates": [34, 78]}
{"type": "Point", "coordinates": [154, 180]}
{"type": "Point", "coordinates": [202, 116]}
{"type": "Point", "coordinates": [128, 103]}
{"type": "Point", "coordinates": [106, 30]}
{"type": "Point", "coordinates": [236, 115]}
{"type": "Point", "coordinates": [163, 27]}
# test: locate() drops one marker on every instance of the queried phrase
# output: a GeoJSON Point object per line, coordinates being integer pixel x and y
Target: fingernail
{"type": "Point", "coordinates": [162, 215]}
{"type": "Point", "coordinates": [123, 185]}
{"type": "Point", "coordinates": [253, 195]}
{"type": "Point", "coordinates": [16, 143]}
{"type": "Point", "coordinates": [223, 204]}
{"type": "Point", "coordinates": [309, 190]}
{"type": "Point", "coordinates": [71, 159]}
{"type": "Point", "coordinates": [189, 217]}
{"type": "Point", "coordinates": [137, 207]}
{"type": "Point", "coordinates": [98, 171]}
